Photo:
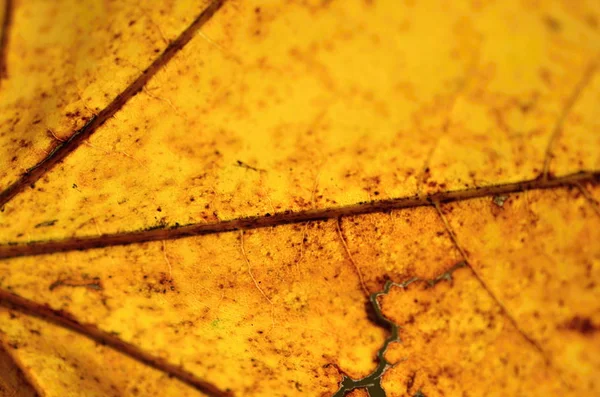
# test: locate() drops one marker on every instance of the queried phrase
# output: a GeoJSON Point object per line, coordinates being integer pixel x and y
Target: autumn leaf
{"type": "Point", "coordinates": [302, 198]}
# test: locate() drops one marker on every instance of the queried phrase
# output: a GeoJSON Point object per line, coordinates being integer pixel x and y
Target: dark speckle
{"type": "Point", "coordinates": [552, 24]}
{"type": "Point", "coordinates": [582, 325]}
{"type": "Point", "coordinates": [47, 223]}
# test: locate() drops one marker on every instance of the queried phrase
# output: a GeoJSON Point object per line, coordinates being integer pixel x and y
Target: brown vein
{"type": "Point", "coordinates": [9, 250]}
{"type": "Point", "coordinates": [250, 268]}
{"type": "Point", "coordinates": [68, 321]}
{"type": "Point", "coordinates": [338, 225]}
{"type": "Point", "coordinates": [66, 147]}
{"type": "Point", "coordinates": [6, 25]}
{"type": "Point", "coordinates": [466, 260]}
{"type": "Point", "coordinates": [558, 127]}
{"type": "Point", "coordinates": [595, 205]}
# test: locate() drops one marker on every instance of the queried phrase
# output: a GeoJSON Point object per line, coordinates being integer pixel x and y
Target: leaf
{"type": "Point", "coordinates": [241, 114]}
{"type": "Point", "coordinates": [526, 305]}
{"type": "Point", "coordinates": [12, 381]}
{"type": "Point", "coordinates": [60, 363]}
{"type": "Point", "coordinates": [308, 198]}
{"type": "Point", "coordinates": [66, 60]}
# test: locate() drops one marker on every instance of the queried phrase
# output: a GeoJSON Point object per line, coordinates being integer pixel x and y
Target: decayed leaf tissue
{"type": "Point", "coordinates": [300, 198]}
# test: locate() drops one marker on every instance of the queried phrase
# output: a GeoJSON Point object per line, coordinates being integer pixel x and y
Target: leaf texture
{"type": "Point", "coordinates": [299, 198]}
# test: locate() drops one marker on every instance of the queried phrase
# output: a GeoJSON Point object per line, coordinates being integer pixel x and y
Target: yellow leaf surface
{"type": "Point", "coordinates": [541, 263]}
{"type": "Point", "coordinates": [287, 305]}
{"type": "Point", "coordinates": [67, 60]}
{"type": "Point", "coordinates": [455, 341]}
{"type": "Point", "coordinates": [12, 381]}
{"type": "Point", "coordinates": [310, 198]}
{"type": "Point", "coordinates": [252, 318]}
{"type": "Point", "coordinates": [359, 102]}
{"type": "Point", "coordinates": [62, 363]}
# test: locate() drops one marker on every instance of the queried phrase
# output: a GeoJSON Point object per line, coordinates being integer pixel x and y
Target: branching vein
{"type": "Point", "coordinates": [164, 232]}
{"type": "Point", "coordinates": [65, 148]}
{"type": "Point", "coordinates": [558, 127]}
{"type": "Point", "coordinates": [505, 311]}
{"type": "Point", "coordinates": [351, 258]}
